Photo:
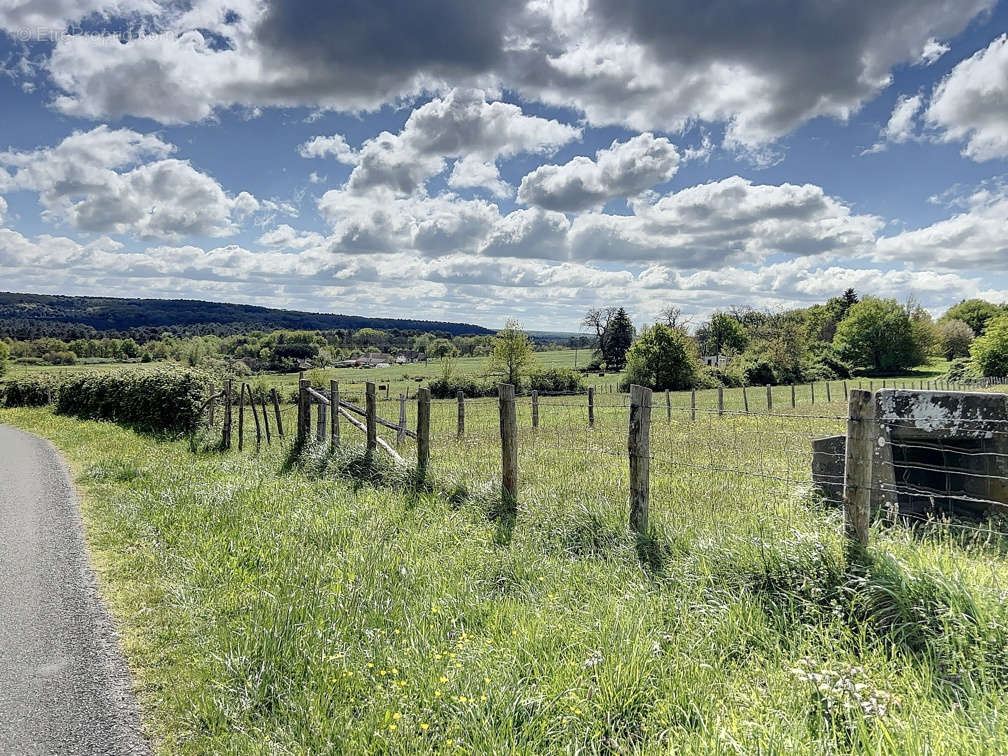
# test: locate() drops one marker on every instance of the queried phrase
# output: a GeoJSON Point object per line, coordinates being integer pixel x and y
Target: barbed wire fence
{"type": "Point", "coordinates": [740, 464]}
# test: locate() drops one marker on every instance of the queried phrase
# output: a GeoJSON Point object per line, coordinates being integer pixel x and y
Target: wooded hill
{"type": "Point", "coordinates": [28, 316]}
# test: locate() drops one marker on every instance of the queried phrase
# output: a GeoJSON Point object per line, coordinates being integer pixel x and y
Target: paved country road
{"type": "Point", "coordinates": [64, 688]}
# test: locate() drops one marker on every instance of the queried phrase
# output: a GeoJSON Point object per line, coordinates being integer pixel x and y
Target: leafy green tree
{"type": "Point", "coordinates": [441, 348]}
{"type": "Point", "coordinates": [990, 351]}
{"type": "Point", "coordinates": [512, 353]}
{"type": "Point", "coordinates": [4, 356]}
{"type": "Point", "coordinates": [616, 340]}
{"type": "Point", "coordinates": [726, 334]}
{"type": "Point", "coordinates": [663, 357]}
{"type": "Point", "coordinates": [975, 313]}
{"type": "Point", "coordinates": [954, 338]}
{"type": "Point", "coordinates": [878, 334]}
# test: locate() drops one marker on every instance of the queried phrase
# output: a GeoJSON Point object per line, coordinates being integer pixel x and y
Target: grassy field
{"type": "Point", "coordinates": [274, 603]}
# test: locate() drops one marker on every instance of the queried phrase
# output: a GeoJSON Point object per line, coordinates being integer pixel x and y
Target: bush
{"type": "Point", "coordinates": [662, 358]}
{"type": "Point", "coordinates": [990, 351]}
{"type": "Point", "coordinates": [447, 388]}
{"type": "Point", "coordinates": [60, 358]}
{"type": "Point", "coordinates": [960, 370]}
{"type": "Point", "coordinates": [555, 380]}
{"type": "Point", "coordinates": [160, 401]}
{"type": "Point", "coordinates": [32, 391]}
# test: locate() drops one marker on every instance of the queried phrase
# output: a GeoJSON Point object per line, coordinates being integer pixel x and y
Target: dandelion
{"type": "Point", "coordinates": [424, 726]}
{"type": "Point", "coordinates": [443, 679]}
{"type": "Point", "coordinates": [486, 680]}
{"type": "Point", "coordinates": [483, 698]}
{"type": "Point", "coordinates": [437, 694]}
{"type": "Point", "coordinates": [397, 715]}
{"type": "Point", "coordinates": [392, 726]}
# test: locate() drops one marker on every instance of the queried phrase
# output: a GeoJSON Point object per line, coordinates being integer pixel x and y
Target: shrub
{"type": "Point", "coordinates": [954, 338]}
{"type": "Point", "coordinates": [60, 358]}
{"type": "Point", "coordinates": [160, 401]}
{"type": "Point", "coordinates": [879, 335]}
{"type": "Point", "coordinates": [990, 351]}
{"type": "Point", "coordinates": [4, 355]}
{"type": "Point", "coordinates": [960, 370]}
{"type": "Point", "coordinates": [661, 358]}
{"type": "Point", "coordinates": [555, 380]}
{"type": "Point", "coordinates": [447, 388]}
{"type": "Point", "coordinates": [32, 391]}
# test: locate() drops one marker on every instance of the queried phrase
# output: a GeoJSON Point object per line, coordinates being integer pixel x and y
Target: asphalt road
{"type": "Point", "coordinates": [64, 688]}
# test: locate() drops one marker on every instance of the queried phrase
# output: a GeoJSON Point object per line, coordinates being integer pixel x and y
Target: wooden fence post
{"type": "Point", "coordinates": [241, 417]}
{"type": "Point", "coordinates": [370, 415]}
{"type": "Point", "coordinates": [793, 404]}
{"type": "Point", "coordinates": [334, 429]}
{"type": "Point", "coordinates": [269, 436]}
{"type": "Point", "coordinates": [692, 404]}
{"type": "Point", "coordinates": [638, 447]}
{"type": "Point", "coordinates": [255, 416]}
{"type": "Point", "coordinates": [535, 409]}
{"type": "Point", "coordinates": [769, 399]}
{"type": "Point", "coordinates": [276, 410]}
{"type": "Point", "coordinates": [858, 467]}
{"type": "Point", "coordinates": [423, 431]}
{"type": "Point", "coordinates": [591, 406]}
{"type": "Point", "coordinates": [845, 391]}
{"type": "Point", "coordinates": [828, 398]}
{"type": "Point", "coordinates": [460, 396]}
{"type": "Point", "coordinates": [304, 411]}
{"type": "Point", "coordinates": [401, 433]}
{"type": "Point", "coordinates": [320, 422]}
{"type": "Point", "coordinates": [509, 446]}
{"type": "Point", "coordinates": [226, 434]}
{"type": "Point", "coordinates": [720, 401]}
{"type": "Point", "coordinates": [812, 389]}
{"type": "Point", "coordinates": [745, 400]}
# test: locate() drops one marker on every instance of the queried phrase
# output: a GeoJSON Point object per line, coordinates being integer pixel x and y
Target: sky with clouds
{"type": "Point", "coordinates": [458, 160]}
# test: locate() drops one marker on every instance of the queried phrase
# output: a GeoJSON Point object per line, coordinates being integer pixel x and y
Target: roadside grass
{"type": "Point", "coordinates": [318, 603]}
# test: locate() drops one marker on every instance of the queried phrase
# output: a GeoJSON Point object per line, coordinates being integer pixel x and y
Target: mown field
{"type": "Point", "coordinates": [280, 603]}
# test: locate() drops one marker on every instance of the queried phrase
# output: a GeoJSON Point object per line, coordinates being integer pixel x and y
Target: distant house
{"type": "Point", "coordinates": [410, 355]}
{"type": "Point", "coordinates": [715, 360]}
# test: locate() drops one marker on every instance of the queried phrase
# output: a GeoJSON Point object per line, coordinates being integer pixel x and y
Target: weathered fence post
{"type": "Point", "coordinates": [423, 431]}
{"type": "Point", "coordinates": [828, 397]}
{"type": "Point", "coordinates": [460, 396]}
{"type": "Point", "coordinates": [334, 429]}
{"type": "Point", "coordinates": [745, 400]}
{"type": "Point", "coordinates": [401, 433]}
{"type": "Point", "coordinates": [638, 447]}
{"type": "Point", "coordinates": [269, 436]}
{"type": "Point", "coordinates": [591, 406]}
{"type": "Point", "coordinates": [845, 390]}
{"type": "Point", "coordinates": [668, 406]}
{"type": "Point", "coordinates": [370, 415]}
{"type": "Point", "coordinates": [793, 403]}
{"type": "Point", "coordinates": [304, 411]}
{"type": "Point", "coordinates": [320, 422]}
{"type": "Point", "coordinates": [535, 409]}
{"type": "Point", "coordinates": [509, 446]}
{"type": "Point", "coordinates": [255, 416]}
{"type": "Point", "coordinates": [769, 399]}
{"type": "Point", "coordinates": [812, 388]}
{"type": "Point", "coordinates": [226, 434]}
{"type": "Point", "coordinates": [858, 468]}
{"type": "Point", "coordinates": [720, 401]}
{"type": "Point", "coordinates": [692, 404]}
{"type": "Point", "coordinates": [276, 410]}
{"type": "Point", "coordinates": [241, 417]}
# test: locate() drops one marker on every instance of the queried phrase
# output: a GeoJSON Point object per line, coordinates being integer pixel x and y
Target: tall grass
{"type": "Point", "coordinates": [317, 603]}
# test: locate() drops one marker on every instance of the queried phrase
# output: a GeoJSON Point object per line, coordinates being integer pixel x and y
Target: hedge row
{"type": "Point", "coordinates": [558, 380]}
{"type": "Point", "coordinates": [158, 401]}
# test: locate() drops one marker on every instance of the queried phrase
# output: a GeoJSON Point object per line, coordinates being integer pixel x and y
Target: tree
{"type": "Point", "coordinates": [954, 338]}
{"type": "Point", "coordinates": [674, 317]}
{"type": "Point", "coordinates": [512, 352]}
{"type": "Point", "coordinates": [726, 334]}
{"type": "Point", "coordinates": [990, 351]}
{"type": "Point", "coordinates": [4, 355]}
{"type": "Point", "coordinates": [616, 340]}
{"type": "Point", "coordinates": [975, 313]}
{"type": "Point", "coordinates": [878, 334]}
{"type": "Point", "coordinates": [662, 358]}
{"type": "Point", "coordinates": [441, 348]}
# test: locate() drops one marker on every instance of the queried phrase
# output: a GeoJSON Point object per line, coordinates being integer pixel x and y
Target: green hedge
{"type": "Point", "coordinates": [157, 401]}
{"type": "Point", "coordinates": [553, 380]}
{"type": "Point", "coordinates": [30, 391]}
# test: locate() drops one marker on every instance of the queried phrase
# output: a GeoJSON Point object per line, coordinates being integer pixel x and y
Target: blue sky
{"type": "Point", "coordinates": [532, 159]}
